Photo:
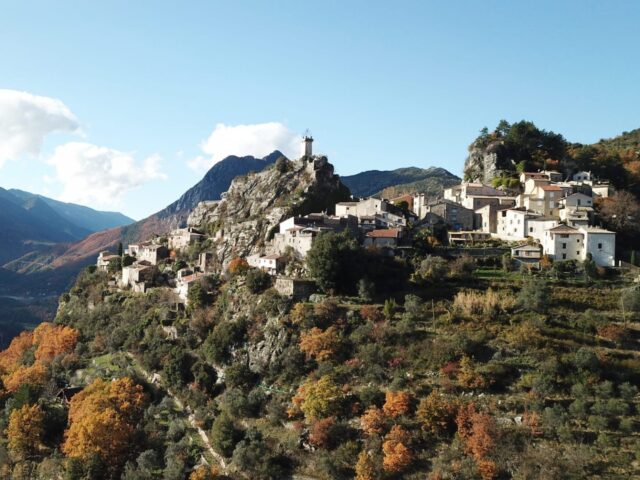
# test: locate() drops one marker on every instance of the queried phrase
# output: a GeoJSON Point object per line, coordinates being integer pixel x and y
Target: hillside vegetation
{"type": "Point", "coordinates": [431, 369]}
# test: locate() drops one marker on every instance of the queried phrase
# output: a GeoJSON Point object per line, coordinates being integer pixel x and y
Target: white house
{"type": "Point", "coordinates": [577, 200]}
{"type": "Point", "coordinates": [367, 207]}
{"type": "Point", "coordinates": [529, 254]}
{"type": "Point", "coordinates": [537, 226]}
{"type": "Point", "coordinates": [564, 243]}
{"type": "Point", "coordinates": [105, 259]}
{"type": "Point", "coordinates": [513, 224]}
{"type": "Point", "coordinates": [582, 177]}
{"type": "Point", "coordinates": [272, 264]}
{"type": "Point", "coordinates": [601, 244]}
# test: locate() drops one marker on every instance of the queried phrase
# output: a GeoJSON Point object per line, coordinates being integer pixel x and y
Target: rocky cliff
{"type": "Point", "coordinates": [249, 213]}
{"type": "Point", "coordinates": [485, 161]}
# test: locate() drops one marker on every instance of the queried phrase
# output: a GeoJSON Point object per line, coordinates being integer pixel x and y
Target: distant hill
{"type": "Point", "coordinates": [84, 217]}
{"type": "Point", "coordinates": [404, 180]}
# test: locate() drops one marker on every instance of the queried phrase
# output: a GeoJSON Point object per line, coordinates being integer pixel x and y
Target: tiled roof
{"type": "Point", "coordinates": [385, 233]}
{"type": "Point", "coordinates": [551, 188]}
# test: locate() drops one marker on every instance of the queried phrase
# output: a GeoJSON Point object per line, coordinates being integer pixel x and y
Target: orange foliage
{"type": "Point", "coordinates": [478, 431]}
{"type": "Point", "coordinates": [238, 265]}
{"type": "Point", "coordinates": [47, 341]}
{"type": "Point", "coordinates": [204, 472]}
{"type": "Point", "coordinates": [102, 420]}
{"type": "Point", "coordinates": [36, 375]}
{"type": "Point", "coordinates": [396, 403]}
{"type": "Point", "coordinates": [318, 344]}
{"type": "Point", "coordinates": [53, 340]}
{"type": "Point", "coordinates": [397, 455]}
{"type": "Point", "coordinates": [372, 421]}
{"type": "Point", "coordinates": [25, 430]}
{"type": "Point", "coordinates": [320, 432]}
{"type": "Point", "coordinates": [10, 358]}
{"type": "Point", "coordinates": [371, 313]}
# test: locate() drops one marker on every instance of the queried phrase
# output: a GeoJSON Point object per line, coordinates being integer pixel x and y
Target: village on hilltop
{"type": "Point", "coordinates": [548, 217]}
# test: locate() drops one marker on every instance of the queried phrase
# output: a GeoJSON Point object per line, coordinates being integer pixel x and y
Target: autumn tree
{"type": "Point", "coordinates": [621, 212]}
{"type": "Point", "coordinates": [318, 344]}
{"type": "Point", "coordinates": [372, 421]}
{"type": "Point", "coordinates": [318, 399]}
{"type": "Point", "coordinates": [53, 340]}
{"type": "Point", "coordinates": [436, 414]}
{"type": "Point", "coordinates": [238, 265]}
{"type": "Point", "coordinates": [320, 432]}
{"type": "Point", "coordinates": [396, 455]}
{"type": "Point", "coordinates": [396, 403]}
{"type": "Point", "coordinates": [25, 431]}
{"type": "Point", "coordinates": [102, 421]}
{"type": "Point", "coordinates": [366, 468]}
{"type": "Point", "coordinates": [204, 472]}
{"type": "Point", "coordinates": [478, 431]}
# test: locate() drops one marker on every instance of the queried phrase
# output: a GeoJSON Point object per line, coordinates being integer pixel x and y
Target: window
{"type": "Point", "coordinates": [564, 246]}
{"type": "Point", "coordinates": [530, 229]}
{"type": "Point", "coordinates": [579, 202]}
{"type": "Point", "coordinates": [599, 246]}
{"type": "Point", "coordinates": [564, 235]}
{"type": "Point", "coordinates": [578, 253]}
{"type": "Point", "coordinates": [578, 240]}
{"type": "Point", "coordinates": [564, 256]}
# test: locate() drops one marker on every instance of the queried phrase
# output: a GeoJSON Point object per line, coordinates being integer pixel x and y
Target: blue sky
{"type": "Point", "coordinates": [381, 85]}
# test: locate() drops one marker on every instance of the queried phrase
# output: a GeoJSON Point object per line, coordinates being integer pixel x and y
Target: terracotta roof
{"type": "Point", "coordinates": [551, 188]}
{"type": "Point", "coordinates": [192, 278]}
{"type": "Point", "coordinates": [385, 233]}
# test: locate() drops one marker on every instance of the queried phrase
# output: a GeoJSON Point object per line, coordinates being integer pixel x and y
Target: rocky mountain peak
{"type": "Point", "coordinates": [249, 213]}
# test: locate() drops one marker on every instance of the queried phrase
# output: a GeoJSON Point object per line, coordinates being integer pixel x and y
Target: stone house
{"type": "Point", "coordinates": [183, 237]}
{"type": "Point", "coordinates": [381, 238]}
{"type": "Point", "coordinates": [298, 288]}
{"type": "Point", "coordinates": [152, 253]}
{"type": "Point", "coordinates": [185, 283]}
{"type": "Point", "coordinates": [454, 214]}
{"type": "Point", "coordinates": [138, 276]}
{"type": "Point", "coordinates": [207, 262]}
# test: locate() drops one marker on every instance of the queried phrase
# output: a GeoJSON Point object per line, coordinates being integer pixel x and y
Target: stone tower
{"type": "Point", "coordinates": [308, 145]}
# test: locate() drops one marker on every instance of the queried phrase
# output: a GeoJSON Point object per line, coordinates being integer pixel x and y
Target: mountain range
{"type": "Point", "coordinates": [390, 183]}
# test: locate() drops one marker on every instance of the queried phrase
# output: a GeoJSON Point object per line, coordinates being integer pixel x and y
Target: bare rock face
{"type": "Point", "coordinates": [249, 213]}
{"type": "Point", "coordinates": [484, 162]}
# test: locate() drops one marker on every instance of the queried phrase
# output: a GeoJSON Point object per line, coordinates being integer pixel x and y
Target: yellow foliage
{"type": "Point", "coordinates": [318, 399]}
{"type": "Point", "coordinates": [436, 413]}
{"type": "Point", "coordinates": [365, 467]}
{"type": "Point", "coordinates": [10, 358]}
{"type": "Point", "coordinates": [25, 430]}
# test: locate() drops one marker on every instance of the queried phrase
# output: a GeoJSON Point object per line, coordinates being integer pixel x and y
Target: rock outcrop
{"type": "Point", "coordinates": [485, 161]}
{"type": "Point", "coordinates": [250, 211]}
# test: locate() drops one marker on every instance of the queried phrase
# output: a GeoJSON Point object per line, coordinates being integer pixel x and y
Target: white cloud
{"type": "Point", "coordinates": [258, 140]}
{"type": "Point", "coordinates": [25, 120]}
{"type": "Point", "coordinates": [99, 176]}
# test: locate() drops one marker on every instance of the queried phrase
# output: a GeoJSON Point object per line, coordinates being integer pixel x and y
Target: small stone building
{"type": "Point", "coordinates": [298, 288]}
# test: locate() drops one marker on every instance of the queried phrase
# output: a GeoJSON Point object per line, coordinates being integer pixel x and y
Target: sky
{"type": "Point", "coordinates": [124, 105]}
